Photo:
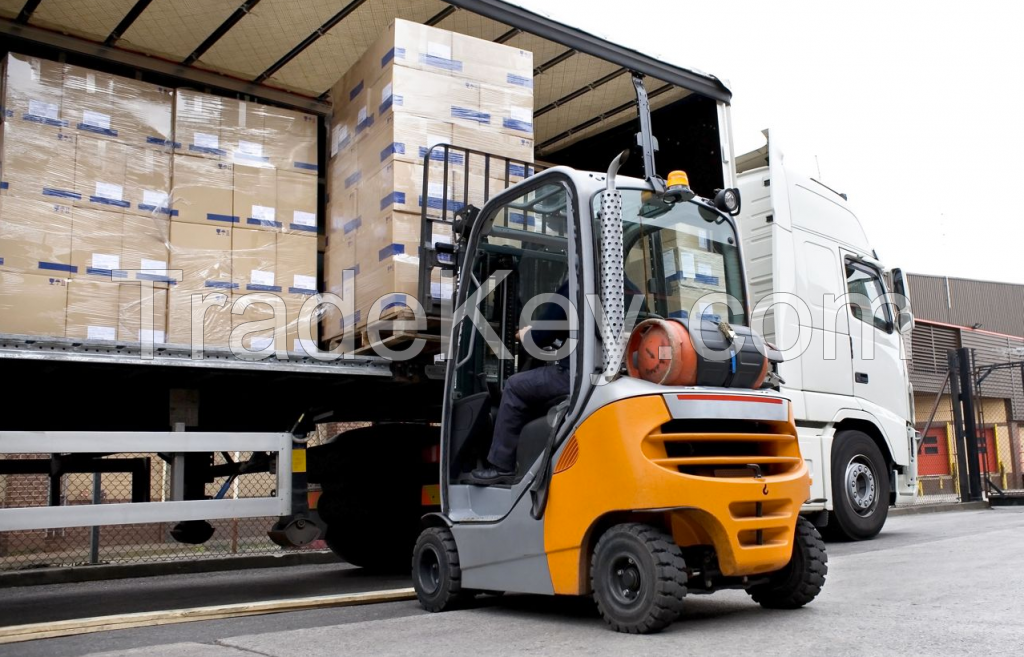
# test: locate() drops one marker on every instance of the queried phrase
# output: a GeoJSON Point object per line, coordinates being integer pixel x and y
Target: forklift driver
{"type": "Point", "coordinates": [526, 394]}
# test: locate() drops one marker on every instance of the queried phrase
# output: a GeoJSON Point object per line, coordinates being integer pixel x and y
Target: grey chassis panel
{"type": "Point", "coordinates": [505, 556]}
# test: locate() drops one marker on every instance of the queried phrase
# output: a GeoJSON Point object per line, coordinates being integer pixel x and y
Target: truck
{"type": "Point", "coordinates": [850, 385]}
{"type": "Point", "coordinates": [81, 401]}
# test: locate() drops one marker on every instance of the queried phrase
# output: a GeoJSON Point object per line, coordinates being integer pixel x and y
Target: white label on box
{"type": "Point", "coordinates": [102, 333]}
{"type": "Point", "coordinates": [385, 93]}
{"type": "Point", "coordinates": [434, 140]}
{"type": "Point", "coordinates": [96, 119]}
{"type": "Point", "coordinates": [43, 109]}
{"type": "Point", "coordinates": [241, 114]}
{"type": "Point", "coordinates": [301, 218]}
{"type": "Point", "coordinates": [305, 282]}
{"type": "Point", "coordinates": [257, 277]}
{"type": "Point", "coordinates": [259, 343]}
{"type": "Point", "coordinates": [668, 260]}
{"type": "Point", "coordinates": [154, 198]}
{"type": "Point", "coordinates": [206, 140]}
{"type": "Point", "coordinates": [104, 261]}
{"type": "Point", "coordinates": [155, 265]}
{"type": "Point", "coordinates": [435, 190]}
{"type": "Point", "coordinates": [263, 213]}
{"type": "Point", "coordinates": [338, 135]}
{"type": "Point", "coordinates": [362, 115]}
{"type": "Point", "coordinates": [704, 269]}
{"type": "Point", "coordinates": [687, 265]}
{"type": "Point", "coordinates": [442, 290]}
{"type": "Point", "coordinates": [438, 238]}
{"type": "Point", "coordinates": [156, 337]}
{"type": "Point", "coordinates": [440, 50]}
{"type": "Point", "coordinates": [524, 114]}
{"type": "Point", "coordinates": [109, 190]}
{"type": "Point", "coordinates": [702, 238]}
{"type": "Point", "coordinates": [250, 148]}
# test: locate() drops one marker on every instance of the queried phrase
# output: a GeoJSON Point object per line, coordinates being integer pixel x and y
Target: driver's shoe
{"type": "Point", "coordinates": [490, 475]}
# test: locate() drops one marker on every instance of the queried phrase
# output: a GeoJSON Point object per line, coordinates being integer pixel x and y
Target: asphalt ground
{"type": "Point", "coordinates": [945, 583]}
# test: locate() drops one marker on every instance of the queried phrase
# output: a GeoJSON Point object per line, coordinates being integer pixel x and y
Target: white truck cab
{"type": "Point", "coordinates": [820, 292]}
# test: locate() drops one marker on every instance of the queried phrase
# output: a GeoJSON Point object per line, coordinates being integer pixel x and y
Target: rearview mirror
{"type": "Point", "coordinates": [905, 321]}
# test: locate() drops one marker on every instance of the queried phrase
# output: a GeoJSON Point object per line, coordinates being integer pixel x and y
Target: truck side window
{"type": "Point", "coordinates": [867, 303]}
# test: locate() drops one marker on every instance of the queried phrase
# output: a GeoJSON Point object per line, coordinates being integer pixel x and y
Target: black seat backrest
{"type": "Point", "coordinates": [533, 439]}
{"type": "Point", "coordinates": [471, 424]}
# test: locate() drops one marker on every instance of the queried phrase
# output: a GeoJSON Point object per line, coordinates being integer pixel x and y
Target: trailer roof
{"type": "Point", "coordinates": [291, 51]}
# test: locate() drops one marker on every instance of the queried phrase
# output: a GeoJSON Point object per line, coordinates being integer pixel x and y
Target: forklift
{"type": "Point", "coordinates": [671, 465]}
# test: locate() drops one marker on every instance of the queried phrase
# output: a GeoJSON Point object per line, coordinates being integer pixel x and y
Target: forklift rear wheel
{"type": "Point", "coordinates": [436, 575]}
{"type": "Point", "coordinates": [802, 578]}
{"type": "Point", "coordinates": [639, 578]}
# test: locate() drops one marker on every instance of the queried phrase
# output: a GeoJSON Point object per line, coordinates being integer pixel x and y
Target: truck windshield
{"type": "Point", "coordinates": [682, 258]}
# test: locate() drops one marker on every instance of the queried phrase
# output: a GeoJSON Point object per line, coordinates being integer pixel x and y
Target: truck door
{"type": "Point", "coordinates": [877, 370]}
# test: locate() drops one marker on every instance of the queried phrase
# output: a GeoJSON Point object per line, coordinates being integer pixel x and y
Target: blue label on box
{"type": "Point", "coordinates": [520, 170]}
{"type": "Point", "coordinates": [226, 218]}
{"type": "Point", "coordinates": [56, 266]}
{"type": "Point", "coordinates": [352, 225]}
{"type": "Point", "coordinates": [156, 278]}
{"type": "Point", "coordinates": [441, 62]}
{"type": "Point", "coordinates": [353, 179]}
{"type": "Point", "coordinates": [394, 301]}
{"type": "Point", "coordinates": [207, 150]}
{"type": "Point", "coordinates": [438, 203]}
{"type": "Point", "coordinates": [253, 287]}
{"type": "Point", "coordinates": [253, 221]}
{"type": "Point", "coordinates": [521, 219]}
{"type": "Point", "coordinates": [390, 250]}
{"type": "Point", "coordinates": [514, 124]}
{"type": "Point", "coordinates": [61, 193]}
{"type": "Point", "coordinates": [364, 124]}
{"type": "Point", "coordinates": [437, 155]}
{"type": "Point", "coordinates": [4, 185]}
{"type": "Point", "coordinates": [301, 290]}
{"type": "Point", "coordinates": [302, 228]}
{"type": "Point", "coordinates": [470, 115]}
{"type": "Point", "coordinates": [391, 199]}
{"type": "Point", "coordinates": [109, 273]}
{"type": "Point", "coordinates": [396, 148]}
{"type": "Point", "coordinates": [97, 130]}
{"type": "Point", "coordinates": [520, 80]}
{"type": "Point", "coordinates": [394, 53]}
{"type": "Point", "coordinates": [308, 166]}
{"type": "Point", "coordinates": [222, 285]}
{"type": "Point", "coordinates": [109, 201]}
{"type": "Point", "coordinates": [356, 90]}
{"type": "Point", "coordinates": [35, 118]}
{"type": "Point", "coordinates": [147, 207]}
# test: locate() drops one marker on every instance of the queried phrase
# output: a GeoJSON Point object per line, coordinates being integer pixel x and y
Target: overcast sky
{"type": "Point", "coordinates": [914, 109]}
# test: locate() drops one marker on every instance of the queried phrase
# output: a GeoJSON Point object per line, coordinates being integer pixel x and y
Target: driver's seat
{"type": "Point", "coordinates": [533, 439]}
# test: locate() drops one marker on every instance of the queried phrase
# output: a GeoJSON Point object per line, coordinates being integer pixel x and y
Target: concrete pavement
{"type": "Point", "coordinates": [932, 584]}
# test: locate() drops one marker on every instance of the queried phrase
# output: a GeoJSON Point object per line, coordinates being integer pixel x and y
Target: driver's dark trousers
{"type": "Point", "coordinates": [525, 397]}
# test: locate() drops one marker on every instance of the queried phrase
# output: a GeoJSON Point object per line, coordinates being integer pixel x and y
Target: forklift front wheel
{"type": "Point", "coordinates": [436, 575]}
{"type": "Point", "coordinates": [639, 578]}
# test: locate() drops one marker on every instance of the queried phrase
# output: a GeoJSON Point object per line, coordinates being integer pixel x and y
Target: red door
{"type": "Point", "coordinates": [934, 454]}
{"type": "Point", "coordinates": [988, 457]}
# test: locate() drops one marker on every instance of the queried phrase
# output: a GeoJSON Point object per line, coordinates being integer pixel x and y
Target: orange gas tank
{"type": "Point", "coordinates": [661, 352]}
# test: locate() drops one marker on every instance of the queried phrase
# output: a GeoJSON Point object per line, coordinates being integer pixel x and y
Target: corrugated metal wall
{"type": "Point", "coordinates": [930, 345]}
{"type": "Point", "coordinates": [1003, 383]}
{"type": "Point", "coordinates": [998, 307]}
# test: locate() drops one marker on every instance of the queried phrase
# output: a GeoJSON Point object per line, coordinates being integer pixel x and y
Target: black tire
{"type": "Point", "coordinates": [639, 578]}
{"type": "Point", "coordinates": [360, 544]}
{"type": "Point", "coordinates": [436, 575]}
{"type": "Point", "coordinates": [860, 488]}
{"type": "Point", "coordinates": [802, 578]}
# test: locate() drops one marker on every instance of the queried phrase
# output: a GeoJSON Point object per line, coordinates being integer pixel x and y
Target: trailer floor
{"type": "Point", "coordinates": [944, 583]}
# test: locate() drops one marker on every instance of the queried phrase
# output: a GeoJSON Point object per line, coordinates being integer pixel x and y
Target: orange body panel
{"type": "Point", "coordinates": [621, 465]}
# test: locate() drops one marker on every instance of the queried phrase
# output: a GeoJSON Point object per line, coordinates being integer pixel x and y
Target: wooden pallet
{"type": "Point", "coordinates": [394, 340]}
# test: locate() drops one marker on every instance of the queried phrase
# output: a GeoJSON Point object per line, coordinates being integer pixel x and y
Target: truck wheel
{"type": "Point", "coordinates": [802, 578]}
{"type": "Point", "coordinates": [639, 578]}
{"type": "Point", "coordinates": [860, 488]}
{"type": "Point", "coordinates": [436, 575]}
{"type": "Point", "coordinates": [354, 544]}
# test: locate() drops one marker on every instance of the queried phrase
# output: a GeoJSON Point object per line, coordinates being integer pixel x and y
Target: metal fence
{"type": "Point", "coordinates": [137, 543]}
{"type": "Point", "coordinates": [998, 400]}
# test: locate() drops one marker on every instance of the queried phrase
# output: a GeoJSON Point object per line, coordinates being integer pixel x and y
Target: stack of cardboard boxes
{"type": "Point", "coordinates": [244, 215]}
{"type": "Point", "coordinates": [83, 200]}
{"type": "Point", "coordinates": [108, 181]}
{"type": "Point", "coordinates": [417, 87]}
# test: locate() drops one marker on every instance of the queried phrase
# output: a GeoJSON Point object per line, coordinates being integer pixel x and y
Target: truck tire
{"type": "Point", "coordinates": [436, 574]}
{"type": "Point", "coordinates": [860, 487]}
{"type": "Point", "coordinates": [802, 578]}
{"type": "Point", "coordinates": [639, 578]}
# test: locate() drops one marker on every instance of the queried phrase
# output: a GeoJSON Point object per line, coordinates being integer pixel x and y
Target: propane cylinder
{"type": "Point", "coordinates": [661, 352]}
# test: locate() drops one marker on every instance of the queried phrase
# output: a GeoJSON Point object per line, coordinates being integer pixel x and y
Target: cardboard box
{"type": "Point", "coordinates": [202, 191]}
{"type": "Point", "coordinates": [296, 203]}
{"type": "Point", "coordinates": [255, 198]}
{"type": "Point", "coordinates": [144, 246]}
{"type": "Point", "coordinates": [198, 122]}
{"type": "Point", "coordinates": [302, 312]}
{"type": "Point", "coordinates": [422, 93]}
{"type": "Point", "coordinates": [100, 167]}
{"type": "Point", "coordinates": [398, 187]}
{"type": "Point", "coordinates": [509, 109]}
{"type": "Point", "coordinates": [389, 234]}
{"type": "Point", "coordinates": [147, 182]}
{"type": "Point", "coordinates": [515, 151]}
{"type": "Point", "coordinates": [388, 287]}
{"type": "Point", "coordinates": [336, 261]}
{"type": "Point", "coordinates": [203, 255]}
{"type": "Point", "coordinates": [35, 237]}
{"type": "Point", "coordinates": [297, 265]}
{"type": "Point", "coordinates": [255, 338]}
{"type": "Point", "coordinates": [491, 62]}
{"type": "Point", "coordinates": [342, 216]}
{"type": "Point", "coordinates": [405, 138]}
{"type": "Point", "coordinates": [96, 244]}
{"type": "Point", "coordinates": [149, 114]}
{"type": "Point", "coordinates": [212, 321]}
{"type": "Point", "coordinates": [33, 91]}
{"type": "Point", "coordinates": [242, 132]}
{"type": "Point", "coordinates": [291, 141]}
{"type": "Point", "coordinates": [32, 305]}
{"type": "Point", "coordinates": [37, 162]}
{"type": "Point", "coordinates": [93, 310]}
{"type": "Point", "coordinates": [254, 261]}
{"type": "Point", "coordinates": [130, 314]}
{"type": "Point", "coordinates": [90, 103]}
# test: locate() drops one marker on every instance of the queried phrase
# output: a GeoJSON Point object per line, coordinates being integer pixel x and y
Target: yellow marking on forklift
{"type": "Point", "coordinates": [298, 460]}
{"type": "Point", "coordinates": [431, 495]}
{"type": "Point", "coordinates": [36, 631]}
